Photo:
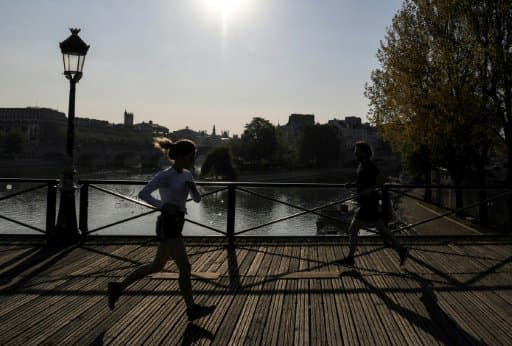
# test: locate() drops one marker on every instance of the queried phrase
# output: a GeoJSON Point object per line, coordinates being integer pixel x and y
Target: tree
{"type": "Point", "coordinates": [219, 162]}
{"type": "Point", "coordinates": [259, 142]}
{"type": "Point", "coordinates": [428, 96]}
{"type": "Point", "coordinates": [319, 145]}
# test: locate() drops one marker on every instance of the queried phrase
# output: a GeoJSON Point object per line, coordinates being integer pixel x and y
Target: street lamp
{"type": "Point", "coordinates": [73, 54]}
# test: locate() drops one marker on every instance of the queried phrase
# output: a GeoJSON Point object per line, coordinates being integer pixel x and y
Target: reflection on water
{"type": "Point", "coordinates": [104, 209]}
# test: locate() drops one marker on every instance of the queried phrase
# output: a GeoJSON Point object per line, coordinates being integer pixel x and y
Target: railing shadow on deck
{"type": "Point", "coordinates": [438, 323]}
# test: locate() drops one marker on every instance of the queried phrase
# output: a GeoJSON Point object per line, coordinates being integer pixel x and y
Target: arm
{"type": "Point", "coordinates": [145, 193]}
{"type": "Point", "coordinates": [196, 196]}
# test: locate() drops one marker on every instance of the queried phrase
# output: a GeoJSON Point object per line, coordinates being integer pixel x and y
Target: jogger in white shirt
{"type": "Point", "coordinates": [174, 185]}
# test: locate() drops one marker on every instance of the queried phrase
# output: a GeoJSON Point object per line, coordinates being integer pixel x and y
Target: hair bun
{"type": "Point", "coordinates": [163, 143]}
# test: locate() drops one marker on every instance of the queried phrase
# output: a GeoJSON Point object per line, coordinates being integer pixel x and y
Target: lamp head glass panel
{"type": "Point", "coordinates": [73, 54]}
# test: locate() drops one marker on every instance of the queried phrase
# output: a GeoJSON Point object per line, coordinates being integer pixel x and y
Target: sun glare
{"type": "Point", "coordinates": [228, 8]}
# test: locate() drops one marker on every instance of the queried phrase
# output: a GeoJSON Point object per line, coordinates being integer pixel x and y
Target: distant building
{"type": "Point", "coordinates": [292, 131]}
{"type": "Point", "coordinates": [152, 129]}
{"type": "Point", "coordinates": [128, 119]}
{"type": "Point", "coordinates": [34, 124]}
{"type": "Point", "coordinates": [201, 138]}
{"type": "Point", "coordinates": [352, 129]}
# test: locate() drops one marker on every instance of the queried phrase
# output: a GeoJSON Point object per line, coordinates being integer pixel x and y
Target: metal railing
{"type": "Point", "coordinates": [244, 187]}
{"type": "Point", "coordinates": [51, 201]}
{"type": "Point", "coordinates": [232, 189]}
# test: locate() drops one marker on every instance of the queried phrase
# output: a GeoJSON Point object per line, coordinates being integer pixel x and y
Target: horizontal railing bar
{"type": "Point", "coordinates": [447, 187]}
{"type": "Point", "coordinates": [120, 195]}
{"type": "Point", "coordinates": [131, 199]}
{"type": "Point", "coordinates": [206, 226]}
{"type": "Point", "coordinates": [221, 183]}
{"type": "Point", "coordinates": [440, 216]}
{"type": "Point", "coordinates": [22, 224]}
{"type": "Point", "coordinates": [305, 185]}
{"type": "Point", "coordinates": [210, 193]}
{"type": "Point", "coordinates": [293, 215]}
{"type": "Point", "coordinates": [121, 221]}
{"type": "Point", "coordinates": [28, 180]}
{"type": "Point", "coordinates": [291, 205]}
{"type": "Point", "coordinates": [23, 191]}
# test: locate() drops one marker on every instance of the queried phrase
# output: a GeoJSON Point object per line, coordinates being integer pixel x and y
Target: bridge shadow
{"type": "Point", "coordinates": [34, 265]}
{"type": "Point", "coordinates": [438, 323]}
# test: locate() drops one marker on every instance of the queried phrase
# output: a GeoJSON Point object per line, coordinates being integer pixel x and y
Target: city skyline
{"type": "Point", "coordinates": [197, 63]}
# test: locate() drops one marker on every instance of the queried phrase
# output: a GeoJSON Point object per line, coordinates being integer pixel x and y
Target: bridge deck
{"type": "Point", "coordinates": [446, 293]}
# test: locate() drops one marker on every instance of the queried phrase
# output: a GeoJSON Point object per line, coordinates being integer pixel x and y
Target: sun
{"type": "Point", "coordinates": [225, 7]}
{"type": "Point", "coordinates": [228, 8]}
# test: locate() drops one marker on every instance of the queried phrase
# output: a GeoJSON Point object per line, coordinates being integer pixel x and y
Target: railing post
{"type": "Point", "coordinates": [84, 209]}
{"type": "Point", "coordinates": [51, 207]}
{"type": "Point", "coordinates": [231, 211]}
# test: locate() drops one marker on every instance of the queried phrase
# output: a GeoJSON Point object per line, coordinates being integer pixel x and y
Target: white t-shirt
{"type": "Point", "coordinates": [172, 187]}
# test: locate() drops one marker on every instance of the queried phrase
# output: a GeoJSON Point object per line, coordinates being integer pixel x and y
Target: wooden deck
{"type": "Point", "coordinates": [454, 293]}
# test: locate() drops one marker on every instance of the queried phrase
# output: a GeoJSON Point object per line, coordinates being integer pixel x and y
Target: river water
{"type": "Point", "coordinates": [104, 209]}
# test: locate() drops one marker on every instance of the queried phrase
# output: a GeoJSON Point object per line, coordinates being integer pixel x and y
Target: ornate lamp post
{"type": "Point", "coordinates": [73, 54]}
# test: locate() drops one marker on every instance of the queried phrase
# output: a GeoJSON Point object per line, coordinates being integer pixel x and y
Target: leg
{"type": "Point", "coordinates": [387, 234]}
{"type": "Point", "coordinates": [353, 231]}
{"type": "Point", "coordinates": [395, 244]}
{"type": "Point", "coordinates": [179, 254]}
{"type": "Point", "coordinates": [115, 288]}
{"type": "Point", "coordinates": [162, 255]}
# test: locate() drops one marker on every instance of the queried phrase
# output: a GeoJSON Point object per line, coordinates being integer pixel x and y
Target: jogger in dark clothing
{"type": "Point", "coordinates": [368, 178]}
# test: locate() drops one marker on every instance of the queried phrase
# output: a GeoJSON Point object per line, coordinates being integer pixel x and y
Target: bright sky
{"type": "Point", "coordinates": [196, 62]}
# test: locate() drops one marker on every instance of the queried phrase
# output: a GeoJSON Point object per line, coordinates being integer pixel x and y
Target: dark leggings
{"type": "Point", "coordinates": [170, 247]}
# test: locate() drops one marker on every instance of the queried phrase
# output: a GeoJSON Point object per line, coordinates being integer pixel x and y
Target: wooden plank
{"type": "Point", "coordinates": [223, 298]}
{"type": "Point", "coordinates": [287, 321]}
{"type": "Point", "coordinates": [256, 327]}
{"type": "Point", "coordinates": [273, 319]}
{"type": "Point", "coordinates": [22, 323]}
{"type": "Point", "coordinates": [405, 310]}
{"type": "Point", "coordinates": [17, 301]}
{"type": "Point", "coordinates": [242, 327]}
{"type": "Point", "coordinates": [459, 320]}
{"type": "Point", "coordinates": [86, 318]}
{"type": "Point", "coordinates": [13, 256]}
{"type": "Point", "coordinates": [171, 322]}
{"type": "Point", "coordinates": [194, 276]}
{"type": "Point", "coordinates": [346, 319]}
{"type": "Point", "coordinates": [151, 323]}
{"type": "Point", "coordinates": [206, 325]}
{"type": "Point", "coordinates": [332, 324]}
{"type": "Point", "coordinates": [317, 327]}
{"type": "Point", "coordinates": [93, 323]}
{"type": "Point", "coordinates": [225, 330]}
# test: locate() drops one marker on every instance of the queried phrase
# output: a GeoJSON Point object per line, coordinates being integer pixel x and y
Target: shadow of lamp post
{"type": "Point", "coordinates": [73, 54]}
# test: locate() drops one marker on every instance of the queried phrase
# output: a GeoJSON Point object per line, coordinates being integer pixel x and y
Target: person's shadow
{"type": "Point", "coordinates": [194, 333]}
{"type": "Point", "coordinates": [439, 324]}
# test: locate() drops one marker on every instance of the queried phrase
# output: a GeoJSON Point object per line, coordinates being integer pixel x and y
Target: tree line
{"type": "Point", "coordinates": [442, 95]}
{"type": "Point", "coordinates": [265, 146]}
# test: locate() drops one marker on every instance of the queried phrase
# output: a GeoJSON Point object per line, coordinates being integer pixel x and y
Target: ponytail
{"type": "Point", "coordinates": [174, 149]}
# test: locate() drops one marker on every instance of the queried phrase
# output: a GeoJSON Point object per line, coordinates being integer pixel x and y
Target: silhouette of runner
{"type": "Point", "coordinates": [174, 185]}
{"type": "Point", "coordinates": [368, 214]}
